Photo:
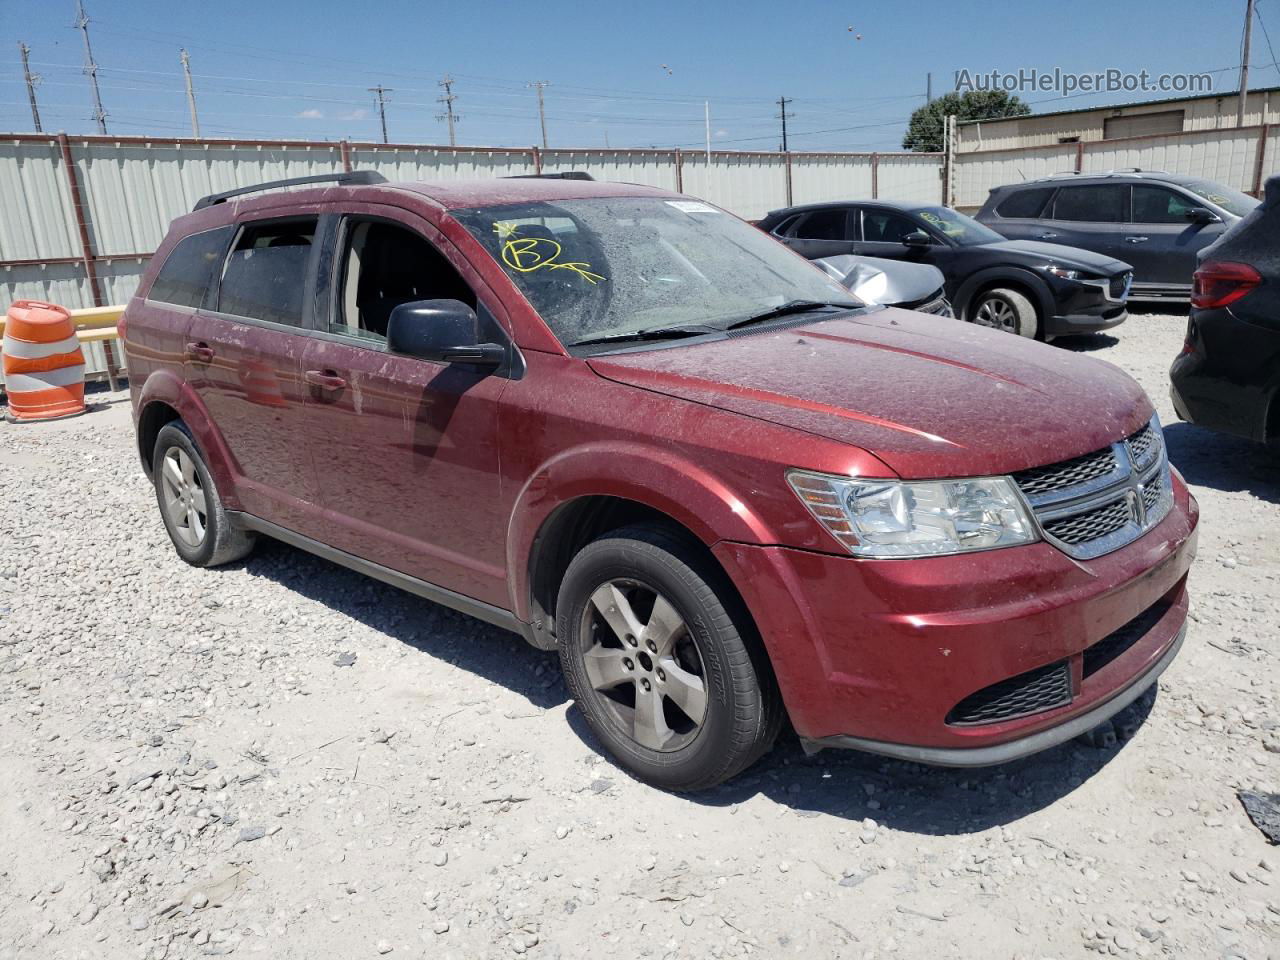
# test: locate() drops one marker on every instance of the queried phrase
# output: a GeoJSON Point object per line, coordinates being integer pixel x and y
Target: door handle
{"type": "Point", "coordinates": [324, 379]}
{"type": "Point", "coordinates": [1048, 236]}
{"type": "Point", "coordinates": [1136, 239]}
{"type": "Point", "coordinates": [199, 352]}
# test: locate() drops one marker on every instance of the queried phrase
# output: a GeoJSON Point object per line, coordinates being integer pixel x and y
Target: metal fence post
{"type": "Point", "coordinates": [345, 149]}
{"type": "Point", "coordinates": [537, 160]}
{"type": "Point", "coordinates": [787, 155]}
{"type": "Point", "coordinates": [875, 176]}
{"type": "Point", "coordinates": [1263, 131]}
{"type": "Point", "coordinates": [679, 171]}
{"type": "Point", "coordinates": [86, 248]}
{"type": "Point", "coordinates": [1079, 156]}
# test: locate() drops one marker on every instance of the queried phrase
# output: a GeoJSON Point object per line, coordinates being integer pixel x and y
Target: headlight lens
{"type": "Point", "coordinates": [1062, 273]}
{"type": "Point", "coordinates": [889, 518]}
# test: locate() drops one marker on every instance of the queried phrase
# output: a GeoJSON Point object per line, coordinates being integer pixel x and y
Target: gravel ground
{"type": "Point", "coordinates": [284, 758]}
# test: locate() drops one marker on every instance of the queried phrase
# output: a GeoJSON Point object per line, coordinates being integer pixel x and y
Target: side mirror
{"type": "Point", "coordinates": [446, 331]}
{"type": "Point", "coordinates": [1202, 215]}
{"type": "Point", "coordinates": [917, 238]}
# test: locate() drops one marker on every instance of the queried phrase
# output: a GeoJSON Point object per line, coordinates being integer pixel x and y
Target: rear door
{"type": "Point", "coordinates": [1018, 213]}
{"type": "Point", "coordinates": [406, 449]}
{"type": "Point", "coordinates": [243, 358]}
{"type": "Point", "coordinates": [1089, 216]}
{"type": "Point", "coordinates": [820, 233]}
{"type": "Point", "coordinates": [1161, 243]}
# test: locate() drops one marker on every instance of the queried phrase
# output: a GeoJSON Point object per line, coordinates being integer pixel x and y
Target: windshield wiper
{"type": "Point", "coordinates": [788, 308]}
{"type": "Point", "coordinates": [651, 333]}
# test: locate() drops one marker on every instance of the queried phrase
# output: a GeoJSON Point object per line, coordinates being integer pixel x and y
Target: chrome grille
{"type": "Point", "coordinates": [938, 307]}
{"type": "Point", "coordinates": [1091, 505]}
{"type": "Point", "coordinates": [1068, 473]}
{"type": "Point", "coordinates": [1084, 527]}
{"type": "Point", "coordinates": [1120, 285]}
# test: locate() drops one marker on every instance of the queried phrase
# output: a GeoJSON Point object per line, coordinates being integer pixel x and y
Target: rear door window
{"type": "Point", "coordinates": [1103, 203]}
{"type": "Point", "coordinates": [824, 225]}
{"type": "Point", "coordinates": [1159, 205]}
{"type": "Point", "coordinates": [191, 269]}
{"type": "Point", "coordinates": [1024, 204]}
{"type": "Point", "coordinates": [266, 275]}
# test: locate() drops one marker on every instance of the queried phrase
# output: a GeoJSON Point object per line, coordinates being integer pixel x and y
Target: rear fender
{"type": "Point", "coordinates": [164, 386]}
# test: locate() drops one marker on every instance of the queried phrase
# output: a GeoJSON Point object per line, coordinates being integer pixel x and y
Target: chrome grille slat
{"type": "Point", "coordinates": [1090, 505]}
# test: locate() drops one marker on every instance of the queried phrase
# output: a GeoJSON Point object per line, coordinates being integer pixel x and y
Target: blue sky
{"type": "Point", "coordinates": [622, 74]}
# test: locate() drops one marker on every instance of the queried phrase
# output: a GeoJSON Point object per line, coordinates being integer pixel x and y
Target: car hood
{"type": "Point", "coordinates": [1039, 253]}
{"type": "Point", "coordinates": [877, 280]}
{"type": "Point", "coordinates": [931, 397]}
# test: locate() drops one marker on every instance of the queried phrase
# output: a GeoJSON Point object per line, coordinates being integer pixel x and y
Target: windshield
{"type": "Point", "coordinates": [614, 266]}
{"type": "Point", "coordinates": [958, 228]}
{"type": "Point", "coordinates": [1229, 199]}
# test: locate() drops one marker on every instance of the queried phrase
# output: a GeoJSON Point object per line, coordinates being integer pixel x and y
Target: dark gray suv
{"type": "Point", "coordinates": [1157, 222]}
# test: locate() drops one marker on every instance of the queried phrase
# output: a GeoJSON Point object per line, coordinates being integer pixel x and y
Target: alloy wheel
{"type": "Point", "coordinates": [186, 505]}
{"type": "Point", "coordinates": [643, 665]}
{"type": "Point", "coordinates": [997, 313]}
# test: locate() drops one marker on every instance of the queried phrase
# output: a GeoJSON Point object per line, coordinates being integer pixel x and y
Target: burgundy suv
{"type": "Point", "coordinates": [632, 428]}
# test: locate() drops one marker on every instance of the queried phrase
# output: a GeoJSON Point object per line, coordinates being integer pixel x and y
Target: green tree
{"type": "Point", "coordinates": [927, 127]}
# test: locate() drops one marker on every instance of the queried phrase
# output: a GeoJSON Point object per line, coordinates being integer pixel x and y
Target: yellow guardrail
{"type": "Point", "coordinates": [92, 323]}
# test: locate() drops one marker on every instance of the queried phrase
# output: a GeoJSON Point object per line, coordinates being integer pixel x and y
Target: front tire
{"type": "Point", "coordinates": [1005, 309]}
{"type": "Point", "coordinates": [663, 660]}
{"type": "Point", "coordinates": [190, 507]}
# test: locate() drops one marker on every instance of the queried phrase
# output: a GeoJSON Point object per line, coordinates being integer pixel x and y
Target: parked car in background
{"type": "Point", "coordinates": [1158, 222]}
{"type": "Point", "coordinates": [1228, 374]}
{"type": "Point", "coordinates": [632, 428]}
{"type": "Point", "coordinates": [1031, 289]}
{"type": "Point", "coordinates": [890, 283]}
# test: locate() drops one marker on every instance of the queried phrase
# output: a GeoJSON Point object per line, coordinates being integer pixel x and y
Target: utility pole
{"type": "Point", "coordinates": [447, 100]}
{"type": "Point", "coordinates": [32, 80]}
{"type": "Point", "coordinates": [381, 93]}
{"type": "Point", "coordinates": [91, 68]}
{"type": "Point", "coordinates": [1244, 62]}
{"type": "Point", "coordinates": [706, 107]}
{"type": "Point", "coordinates": [783, 115]}
{"type": "Point", "coordinates": [542, 113]}
{"type": "Point", "coordinates": [191, 94]}
{"type": "Point", "coordinates": [928, 88]}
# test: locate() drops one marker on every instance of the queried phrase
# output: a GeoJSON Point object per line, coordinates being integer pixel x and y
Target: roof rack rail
{"type": "Point", "coordinates": [355, 178]}
{"type": "Point", "coordinates": [567, 175]}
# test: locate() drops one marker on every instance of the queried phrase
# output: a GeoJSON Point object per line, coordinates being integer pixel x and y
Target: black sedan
{"type": "Point", "coordinates": [1228, 375]}
{"type": "Point", "coordinates": [1032, 289]}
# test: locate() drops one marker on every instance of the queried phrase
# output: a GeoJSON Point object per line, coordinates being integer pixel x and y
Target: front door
{"type": "Point", "coordinates": [406, 450]}
{"type": "Point", "coordinates": [820, 233]}
{"type": "Point", "coordinates": [1161, 243]}
{"type": "Point", "coordinates": [243, 358]}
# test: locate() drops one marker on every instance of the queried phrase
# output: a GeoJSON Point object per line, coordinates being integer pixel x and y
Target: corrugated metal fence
{"type": "Point", "coordinates": [128, 189]}
{"type": "Point", "coordinates": [1240, 157]}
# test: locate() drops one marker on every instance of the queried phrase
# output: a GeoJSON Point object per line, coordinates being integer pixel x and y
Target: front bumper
{"type": "Point", "coordinates": [1085, 322]}
{"type": "Point", "coordinates": [876, 654]}
{"type": "Point", "coordinates": [1084, 306]}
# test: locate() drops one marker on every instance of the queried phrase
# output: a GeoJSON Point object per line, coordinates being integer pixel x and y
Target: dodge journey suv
{"type": "Point", "coordinates": [632, 428]}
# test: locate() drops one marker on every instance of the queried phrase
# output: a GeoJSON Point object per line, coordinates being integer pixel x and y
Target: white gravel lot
{"type": "Point", "coordinates": [188, 770]}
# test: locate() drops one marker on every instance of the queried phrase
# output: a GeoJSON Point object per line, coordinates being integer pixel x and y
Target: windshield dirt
{"type": "Point", "coordinates": [611, 267]}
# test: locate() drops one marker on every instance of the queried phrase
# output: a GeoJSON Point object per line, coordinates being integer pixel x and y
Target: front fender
{"type": "Point", "coordinates": [1019, 276]}
{"type": "Point", "coordinates": [677, 487]}
{"type": "Point", "coordinates": [166, 387]}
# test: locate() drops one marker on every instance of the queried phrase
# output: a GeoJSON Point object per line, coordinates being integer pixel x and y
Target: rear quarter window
{"type": "Point", "coordinates": [1024, 204]}
{"type": "Point", "coordinates": [191, 269]}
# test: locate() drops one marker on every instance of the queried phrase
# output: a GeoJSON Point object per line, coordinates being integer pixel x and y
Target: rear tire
{"type": "Point", "coordinates": [190, 507]}
{"type": "Point", "coordinates": [1005, 309]}
{"type": "Point", "coordinates": [664, 661]}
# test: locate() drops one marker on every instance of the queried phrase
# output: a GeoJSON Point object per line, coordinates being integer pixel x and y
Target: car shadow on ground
{"type": "Point", "coordinates": [1085, 342]}
{"type": "Point", "coordinates": [844, 784]}
{"type": "Point", "coordinates": [1223, 462]}
{"type": "Point", "coordinates": [497, 655]}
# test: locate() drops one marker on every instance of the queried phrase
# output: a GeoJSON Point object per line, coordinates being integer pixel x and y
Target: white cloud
{"type": "Point", "coordinates": [358, 114]}
{"type": "Point", "coordinates": [312, 114]}
{"type": "Point", "coordinates": [722, 133]}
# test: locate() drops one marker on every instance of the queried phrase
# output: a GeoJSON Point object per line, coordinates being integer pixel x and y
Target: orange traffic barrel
{"type": "Point", "coordinates": [43, 363]}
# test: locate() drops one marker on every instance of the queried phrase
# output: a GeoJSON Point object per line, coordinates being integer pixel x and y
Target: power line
{"type": "Point", "coordinates": [447, 100]}
{"type": "Point", "coordinates": [381, 93]}
{"type": "Point", "coordinates": [91, 68]}
{"type": "Point", "coordinates": [32, 81]}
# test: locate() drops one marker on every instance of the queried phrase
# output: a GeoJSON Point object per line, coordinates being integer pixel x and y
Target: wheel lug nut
{"type": "Point", "coordinates": [653, 648]}
{"type": "Point", "coordinates": [626, 662]}
{"type": "Point", "coordinates": [662, 674]}
{"type": "Point", "coordinates": [645, 684]}
{"type": "Point", "coordinates": [631, 640]}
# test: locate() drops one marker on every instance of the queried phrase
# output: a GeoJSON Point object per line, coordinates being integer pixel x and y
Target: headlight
{"type": "Point", "coordinates": [1062, 273]}
{"type": "Point", "coordinates": [888, 518]}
